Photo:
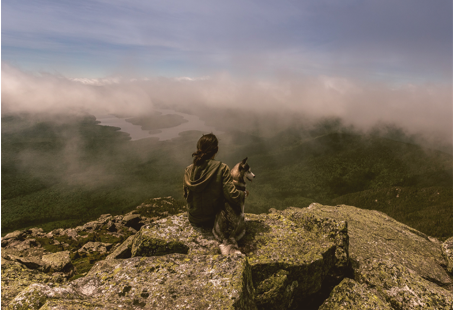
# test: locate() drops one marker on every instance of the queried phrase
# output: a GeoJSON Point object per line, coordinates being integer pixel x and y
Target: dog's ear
{"type": "Point", "coordinates": [244, 161]}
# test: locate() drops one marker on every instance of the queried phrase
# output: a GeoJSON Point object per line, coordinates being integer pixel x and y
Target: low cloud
{"type": "Point", "coordinates": [423, 108]}
{"type": "Point", "coordinates": [27, 92]}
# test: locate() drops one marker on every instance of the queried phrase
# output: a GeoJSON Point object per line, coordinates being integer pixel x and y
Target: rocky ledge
{"type": "Point", "coordinates": [320, 257]}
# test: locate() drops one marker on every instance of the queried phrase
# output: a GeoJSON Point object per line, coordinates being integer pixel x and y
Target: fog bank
{"type": "Point", "coordinates": [424, 109]}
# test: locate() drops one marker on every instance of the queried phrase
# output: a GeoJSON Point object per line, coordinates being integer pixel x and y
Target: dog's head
{"type": "Point", "coordinates": [245, 171]}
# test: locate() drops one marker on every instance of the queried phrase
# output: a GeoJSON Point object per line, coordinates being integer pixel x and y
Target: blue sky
{"type": "Point", "coordinates": [395, 41]}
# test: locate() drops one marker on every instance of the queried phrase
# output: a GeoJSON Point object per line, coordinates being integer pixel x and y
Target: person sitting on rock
{"type": "Point", "coordinates": [208, 184]}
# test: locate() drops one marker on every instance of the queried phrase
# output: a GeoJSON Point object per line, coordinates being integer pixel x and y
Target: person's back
{"type": "Point", "coordinates": [208, 184]}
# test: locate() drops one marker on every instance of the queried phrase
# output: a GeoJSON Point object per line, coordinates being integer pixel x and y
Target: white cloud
{"type": "Point", "coordinates": [26, 92]}
{"type": "Point", "coordinates": [416, 107]}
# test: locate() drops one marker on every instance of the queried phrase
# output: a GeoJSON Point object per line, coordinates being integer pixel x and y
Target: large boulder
{"type": "Point", "coordinates": [16, 277]}
{"type": "Point", "coordinates": [401, 287]}
{"type": "Point", "coordinates": [60, 261]}
{"type": "Point", "coordinates": [184, 267]}
{"type": "Point", "coordinates": [173, 234]}
{"type": "Point", "coordinates": [167, 282]}
{"type": "Point", "coordinates": [323, 256]}
{"type": "Point", "coordinates": [124, 250]}
{"type": "Point", "coordinates": [396, 263]}
{"type": "Point", "coordinates": [292, 255]}
{"type": "Point", "coordinates": [387, 286]}
{"type": "Point", "coordinates": [133, 220]}
{"type": "Point", "coordinates": [374, 235]}
{"type": "Point", "coordinates": [353, 296]}
{"type": "Point", "coordinates": [15, 235]}
{"type": "Point", "coordinates": [36, 294]}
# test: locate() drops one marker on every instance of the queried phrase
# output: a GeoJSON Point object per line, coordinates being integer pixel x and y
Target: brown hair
{"type": "Point", "coordinates": [207, 147]}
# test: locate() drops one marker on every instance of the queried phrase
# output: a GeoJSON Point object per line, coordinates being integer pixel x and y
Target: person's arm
{"type": "Point", "coordinates": [233, 196]}
{"type": "Point", "coordinates": [185, 191]}
{"type": "Point", "coordinates": [184, 187]}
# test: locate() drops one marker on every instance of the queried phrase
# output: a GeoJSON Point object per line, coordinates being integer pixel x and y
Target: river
{"type": "Point", "coordinates": [136, 132]}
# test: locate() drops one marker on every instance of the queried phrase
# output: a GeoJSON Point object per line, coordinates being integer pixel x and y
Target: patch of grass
{"type": "Point", "coordinates": [49, 245]}
{"type": "Point", "coordinates": [83, 265]}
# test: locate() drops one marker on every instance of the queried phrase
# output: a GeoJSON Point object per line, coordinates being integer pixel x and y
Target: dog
{"type": "Point", "coordinates": [229, 227]}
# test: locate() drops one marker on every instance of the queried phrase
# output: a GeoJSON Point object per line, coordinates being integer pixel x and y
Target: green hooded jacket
{"type": "Point", "coordinates": [206, 189]}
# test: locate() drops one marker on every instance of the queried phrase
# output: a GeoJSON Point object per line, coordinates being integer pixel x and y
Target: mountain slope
{"type": "Point", "coordinates": [59, 171]}
{"type": "Point", "coordinates": [356, 170]}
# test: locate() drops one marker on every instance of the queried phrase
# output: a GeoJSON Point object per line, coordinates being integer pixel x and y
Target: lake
{"type": "Point", "coordinates": [136, 132]}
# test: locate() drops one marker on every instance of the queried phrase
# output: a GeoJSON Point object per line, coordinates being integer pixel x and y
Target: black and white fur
{"type": "Point", "coordinates": [229, 227]}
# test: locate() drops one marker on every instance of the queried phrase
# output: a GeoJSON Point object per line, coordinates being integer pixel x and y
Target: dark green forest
{"type": "Point", "coordinates": [64, 170]}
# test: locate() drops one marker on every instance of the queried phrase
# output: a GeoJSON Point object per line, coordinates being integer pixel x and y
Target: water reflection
{"type": "Point", "coordinates": [136, 132]}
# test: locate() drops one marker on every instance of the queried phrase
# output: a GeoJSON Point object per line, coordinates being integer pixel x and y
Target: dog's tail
{"type": "Point", "coordinates": [229, 246]}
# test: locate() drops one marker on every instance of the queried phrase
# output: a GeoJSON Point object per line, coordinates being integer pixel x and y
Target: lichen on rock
{"type": "Point", "coordinates": [59, 261]}
{"type": "Point", "coordinates": [173, 234]}
{"type": "Point", "coordinates": [36, 294]}
{"type": "Point", "coordinates": [275, 292]}
{"type": "Point", "coordinates": [312, 251]}
{"type": "Point", "coordinates": [293, 259]}
{"type": "Point", "coordinates": [165, 282]}
{"type": "Point", "coordinates": [376, 236]}
{"type": "Point", "coordinates": [16, 277]}
{"type": "Point", "coordinates": [290, 251]}
{"type": "Point", "coordinates": [401, 287]}
{"type": "Point", "coordinates": [447, 251]}
{"type": "Point", "coordinates": [400, 265]}
{"type": "Point", "coordinates": [354, 296]}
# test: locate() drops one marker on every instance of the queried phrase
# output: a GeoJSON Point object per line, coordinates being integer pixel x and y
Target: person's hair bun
{"type": "Point", "coordinates": [207, 147]}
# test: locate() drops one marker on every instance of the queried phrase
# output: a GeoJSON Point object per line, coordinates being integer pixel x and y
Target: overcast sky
{"type": "Point", "coordinates": [403, 41]}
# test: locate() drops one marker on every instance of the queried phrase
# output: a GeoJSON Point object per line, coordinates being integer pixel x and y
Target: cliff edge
{"type": "Point", "coordinates": [320, 257]}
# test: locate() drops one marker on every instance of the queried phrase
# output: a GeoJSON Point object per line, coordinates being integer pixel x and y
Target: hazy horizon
{"type": "Point", "coordinates": [422, 110]}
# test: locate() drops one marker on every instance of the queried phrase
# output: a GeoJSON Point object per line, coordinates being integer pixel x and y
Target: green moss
{"type": "Point", "coordinates": [110, 239]}
{"type": "Point", "coordinates": [158, 247]}
{"type": "Point", "coordinates": [72, 304]}
{"type": "Point", "coordinates": [75, 277]}
{"type": "Point", "coordinates": [306, 258]}
{"type": "Point", "coordinates": [269, 290]}
{"type": "Point", "coordinates": [48, 245]}
{"type": "Point", "coordinates": [31, 298]}
{"type": "Point", "coordinates": [83, 265]}
{"type": "Point", "coordinates": [16, 277]}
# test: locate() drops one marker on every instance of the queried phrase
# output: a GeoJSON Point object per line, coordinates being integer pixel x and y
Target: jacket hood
{"type": "Point", "coordinates": [198, 177]}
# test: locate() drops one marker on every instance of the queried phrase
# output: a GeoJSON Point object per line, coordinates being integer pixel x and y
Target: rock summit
{"type": "Point", "coordinates": [320, 257]}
